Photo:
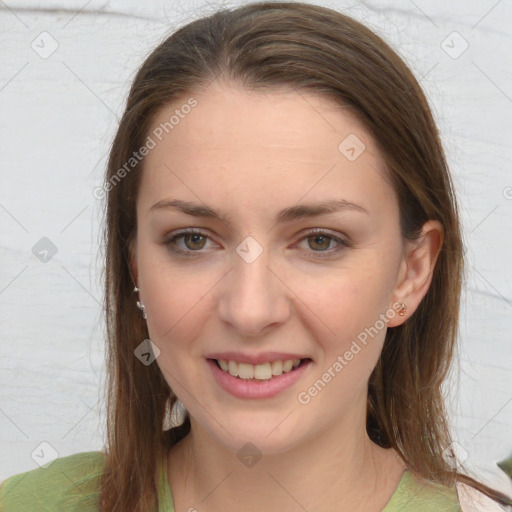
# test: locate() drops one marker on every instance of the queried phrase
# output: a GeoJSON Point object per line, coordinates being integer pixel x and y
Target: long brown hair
{"type": "Point", "coordinates": [266, 45]}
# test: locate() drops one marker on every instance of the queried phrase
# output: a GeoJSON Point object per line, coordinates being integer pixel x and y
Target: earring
{"type": "Point", "coordinates": [403, 309]}
{"type": "Point", "coordinates": [140, 305]}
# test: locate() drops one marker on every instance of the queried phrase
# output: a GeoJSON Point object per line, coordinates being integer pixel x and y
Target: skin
{"type": "Point", "coordinates": [253, 154]}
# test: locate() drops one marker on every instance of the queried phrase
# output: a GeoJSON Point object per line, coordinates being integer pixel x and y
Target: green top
{"type": "Point", "coordinates": [72, 484]}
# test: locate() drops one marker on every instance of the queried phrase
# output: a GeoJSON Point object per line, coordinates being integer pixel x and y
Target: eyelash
{"type": "Point", "coordinates": [171, 241]}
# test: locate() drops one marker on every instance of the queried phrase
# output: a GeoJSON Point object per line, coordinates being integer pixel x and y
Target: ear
{"type": "Point", "coordinates": [417, 269]}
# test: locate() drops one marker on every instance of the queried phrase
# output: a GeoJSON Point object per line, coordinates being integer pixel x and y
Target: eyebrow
{"type": "Point", "coordinates": [287, 215]}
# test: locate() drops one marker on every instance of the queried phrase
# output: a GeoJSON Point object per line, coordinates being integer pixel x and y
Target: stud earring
{"type": "Point", "coordinates": [140, 305]}
{"type": "Point", "coordinates": [403, 309]}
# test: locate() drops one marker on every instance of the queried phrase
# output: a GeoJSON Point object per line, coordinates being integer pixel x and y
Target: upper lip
{"type": "Point", "coordinates": [263, 357]}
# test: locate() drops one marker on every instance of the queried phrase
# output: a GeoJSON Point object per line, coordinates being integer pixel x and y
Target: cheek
{"type": "Point", "coordinates": [346, 324]}
{"type": "Point", "coordinates": [344, 319]}
{"type": "Point", "coordinates": [178, 305]}
{"type": "Point", "coordinates": [345, 301]}
{"type": "Point", "coordinates": [177, 319]}
{"type": "Point", "coordinates": [170, 292]}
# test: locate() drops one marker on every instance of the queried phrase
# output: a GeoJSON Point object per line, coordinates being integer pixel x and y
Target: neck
{"type": "Point", "coordinates": [337, 469]}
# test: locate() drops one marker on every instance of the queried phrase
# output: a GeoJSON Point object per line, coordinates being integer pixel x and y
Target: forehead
{"type": "Point", "coordinates": [236, 119]}
{"type": "Point", "coordinates": [245, 142]}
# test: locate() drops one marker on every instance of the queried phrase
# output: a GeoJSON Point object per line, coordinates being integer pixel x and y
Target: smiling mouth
{"type": "Point", "coordinates": [262, 372]}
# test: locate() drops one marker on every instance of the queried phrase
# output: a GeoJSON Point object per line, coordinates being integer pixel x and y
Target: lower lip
{"type": "Point", "coordinates": [255, 388]}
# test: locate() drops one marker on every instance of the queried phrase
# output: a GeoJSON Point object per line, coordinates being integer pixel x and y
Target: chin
{"type": "Point", "coordinates": [270, 437]}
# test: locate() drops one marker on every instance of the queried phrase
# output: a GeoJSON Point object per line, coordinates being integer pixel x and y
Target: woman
{"type": "Point", "coordinates": [284, 257]}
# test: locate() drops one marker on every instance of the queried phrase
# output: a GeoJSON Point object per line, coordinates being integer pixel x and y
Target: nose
{"type": "Point", "coordinates": [253, 298]}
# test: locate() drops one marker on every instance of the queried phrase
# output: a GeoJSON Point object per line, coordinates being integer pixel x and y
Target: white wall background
{"type": "Point", "coordinates": [58, 114]}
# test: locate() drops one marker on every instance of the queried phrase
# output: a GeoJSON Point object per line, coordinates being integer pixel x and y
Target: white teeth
{"type": "Point", "coordinates": [245, 371]}
{"type": "Point", "coordinates": [277, 367]}
{"type": "Point", "coordinates": [262, 371]}
{"type": "Point", "coordinates": [287, 365]}
{"type": "Point", "coordinates": [233, 368]}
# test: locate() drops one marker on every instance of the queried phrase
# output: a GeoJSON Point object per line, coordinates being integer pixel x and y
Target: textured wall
{"type": "Point", "coordinates": [66, 67]}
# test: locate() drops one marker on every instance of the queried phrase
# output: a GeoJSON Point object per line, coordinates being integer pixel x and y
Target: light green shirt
{"type": "Point", "coordinates": [72, 484]}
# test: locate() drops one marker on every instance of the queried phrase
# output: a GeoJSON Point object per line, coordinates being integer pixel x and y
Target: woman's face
{"type": "Point", "coordinates": [259, 280]}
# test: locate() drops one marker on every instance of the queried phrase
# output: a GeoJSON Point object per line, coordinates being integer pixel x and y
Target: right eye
{"type": "Point", "coordinates": [194, 241]}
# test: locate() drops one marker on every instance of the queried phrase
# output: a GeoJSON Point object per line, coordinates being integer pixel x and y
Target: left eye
{"type": "Point", "coordinates": [320, 241]}
{"type": "Point", "coordinates": [194, 241]}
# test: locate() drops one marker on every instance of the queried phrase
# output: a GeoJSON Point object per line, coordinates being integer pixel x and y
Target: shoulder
{"type": "Point", "coordinates": [414, 494]}
{"type": "Point", "coordinates": [68, 483]}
